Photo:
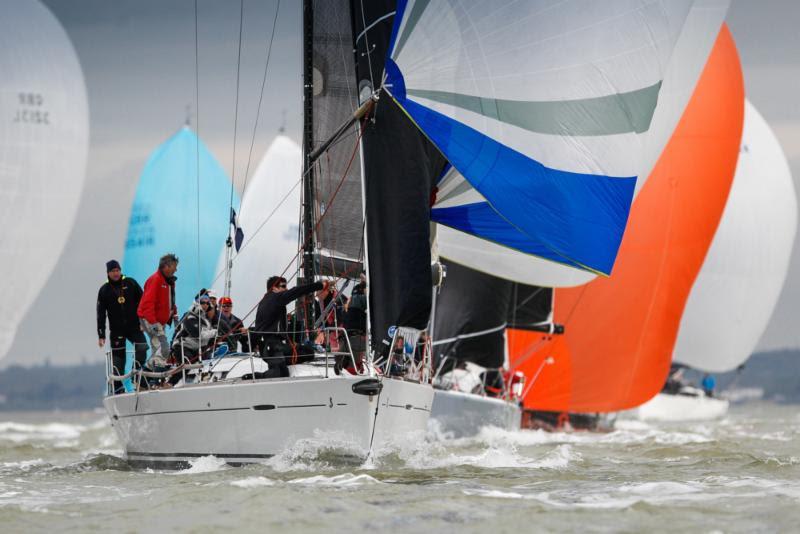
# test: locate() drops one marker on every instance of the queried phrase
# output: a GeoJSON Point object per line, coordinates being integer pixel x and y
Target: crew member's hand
{"type": "Point", "coordinates": [101, 342]}
{"type": "Point", "coordinates": [325, 285]}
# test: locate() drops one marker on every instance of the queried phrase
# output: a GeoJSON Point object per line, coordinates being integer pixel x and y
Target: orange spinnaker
{"type": "Point", "coordinates": [620, 331]}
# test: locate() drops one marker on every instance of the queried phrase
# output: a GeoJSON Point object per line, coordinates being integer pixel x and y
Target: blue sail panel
{"type": "Point", "coordinates": [480, 220]}
{"type": "Point", "coordinates": [577, 218]}
{"type": "Point", "coordinates": [178, 210]}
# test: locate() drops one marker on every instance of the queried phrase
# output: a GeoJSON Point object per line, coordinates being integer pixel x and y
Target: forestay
{"type": "Point", "coordinates": [44, 142]}
{"type": "Point", "coordinates": [743, 273]}
{"type": "Point", "coordinates": [543, 108]}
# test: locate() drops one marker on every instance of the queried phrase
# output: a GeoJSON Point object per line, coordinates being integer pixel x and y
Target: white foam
{"type": "Point", "coordinates": [306, 454]}
{"type": "Point", "coordinates": [204, 464]}
{"type": "Point", "coordinates": [23, 432]}
{"type": "Point", "coordinates": [253, 482]}
{"type": "Point", "coordinates": [343, 480]}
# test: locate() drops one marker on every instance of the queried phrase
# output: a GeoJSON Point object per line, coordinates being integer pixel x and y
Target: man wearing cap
{"type": "Point", "coordinates": [117, 301]}
{"type": "Point", "coordinates": [237, 333]}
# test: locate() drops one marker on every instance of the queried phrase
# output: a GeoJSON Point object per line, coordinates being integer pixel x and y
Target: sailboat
{"type": "Point", "coordinates": [269, 239]}
{"type": "Point", "coordinates": [417, 98]}
{"type": "Point", "coordinates": [475, 386]}
{"type": "Point", "coordinates": [493, 261]}
{"type": "Point", "coordinates": [44, 144]}
{"type": "Point", "coordinates": [619, 332]}
{"type": "Point", "coordinates": [738, 286]}
{"type": "Point", "coordinates": [182, 205]}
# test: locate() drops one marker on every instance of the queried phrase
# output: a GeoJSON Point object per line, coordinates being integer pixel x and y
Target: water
{"type": "Point", "coordinates": [741, 474]}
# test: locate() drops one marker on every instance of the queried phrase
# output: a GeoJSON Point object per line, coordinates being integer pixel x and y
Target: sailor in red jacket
{"type": "Point", "coordinates": [157, 307]}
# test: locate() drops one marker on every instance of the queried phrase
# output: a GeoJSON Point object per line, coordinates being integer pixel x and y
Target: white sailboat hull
{"type": "Point", "coordinates": [676, 408]}
{"type": "Point", "coordinates": [461, 414]}
{"type": "Point", "coordinates": [247, 422]}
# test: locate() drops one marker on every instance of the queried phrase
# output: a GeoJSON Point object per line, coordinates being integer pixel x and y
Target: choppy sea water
{"type": "Point", "coordinates": [741, 474]}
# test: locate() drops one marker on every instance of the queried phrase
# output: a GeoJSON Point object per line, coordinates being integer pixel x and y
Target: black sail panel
{"type": "Point", "coordinates": [530, 306]}
{"type": "Point", "coordinates": [470, 302]}
{"type": "Point", "coordinates": [337, 171]}
{"type": "Point", "coordinates": [400, 167]}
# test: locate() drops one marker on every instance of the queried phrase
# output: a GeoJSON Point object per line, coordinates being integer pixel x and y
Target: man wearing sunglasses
{"type": "Point", "coordinates": [270, 325]}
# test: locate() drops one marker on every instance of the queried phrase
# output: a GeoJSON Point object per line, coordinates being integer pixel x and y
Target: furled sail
{"type": "Point", "coordinates": [180, 208]}
{"type": "Point", "coordinates": [743, 273]}
{"type": "Point", "coordinates": [542, 108]}
{"type": "Point", "coordinates": [44, 141]}
{"type": "Point", "coordinates": [620, 331]}
{"type": "Point", "coordinates": [270, 219]}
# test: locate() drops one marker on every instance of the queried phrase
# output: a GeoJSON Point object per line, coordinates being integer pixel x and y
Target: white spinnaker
{"type": "Point", "coordinates": [742, 276]}
{"type": "Point", "coordinates": [683, 69]}
{"type": "Point", "coordinates": [272, 246]}
{"type": "Point", "coordinates": [44, 141]}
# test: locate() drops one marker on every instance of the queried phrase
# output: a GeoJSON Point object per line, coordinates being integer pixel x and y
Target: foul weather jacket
{"type": "Point", "coordinates": [119, 302]}
{"type": "Point", "coordinates": [271, 314]}
{"type": "Point", "coordinates": [158, 301]}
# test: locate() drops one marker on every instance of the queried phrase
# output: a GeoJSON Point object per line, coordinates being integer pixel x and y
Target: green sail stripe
{"type": "Point", "coordinates": [605, 115]}
{"type": "Point", "coordinates": [413, 18]}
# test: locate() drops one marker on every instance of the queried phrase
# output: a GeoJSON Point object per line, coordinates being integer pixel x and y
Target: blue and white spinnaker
{"type": "Point", "coordinates": [543, 108]}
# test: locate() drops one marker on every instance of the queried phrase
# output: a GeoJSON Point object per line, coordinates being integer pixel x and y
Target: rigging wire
{"type": "Point", "coordinates": [261, 97]}
{"type": "Point", "coordinates": [197, 147]}
{"type": "Point", "coordinates": [236, 101]}
{"type": "Point", "coordinates": [229, 242]}
{"type": "Point", "coordinates": [366, 42]}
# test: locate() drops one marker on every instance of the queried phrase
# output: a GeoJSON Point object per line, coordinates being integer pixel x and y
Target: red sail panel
{"type": "Point", "coordinates": [620, 331]}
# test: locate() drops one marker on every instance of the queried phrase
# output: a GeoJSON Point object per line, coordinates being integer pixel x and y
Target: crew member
{"type": "Point", "coordinates": [118, 300]}
{"type": "Point", "coordinates": [157, 308]}
{"type": "Point", "coordinates": [271, 321]}
{"type": "Point", "coordinates": [237, 333]}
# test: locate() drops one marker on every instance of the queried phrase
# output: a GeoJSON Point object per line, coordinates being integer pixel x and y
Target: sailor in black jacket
{"type": "Point", "coordinates": [270, 323]}
{"type": "Point", "coordinates": [118, 300]}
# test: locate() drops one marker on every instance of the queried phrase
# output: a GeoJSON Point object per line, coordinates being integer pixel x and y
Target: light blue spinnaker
{"type": "Point", "coordinates": [164, 215]}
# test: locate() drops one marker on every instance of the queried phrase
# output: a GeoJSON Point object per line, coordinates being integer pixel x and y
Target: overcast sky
{"type": "Point", "coordinates": [139, 63]}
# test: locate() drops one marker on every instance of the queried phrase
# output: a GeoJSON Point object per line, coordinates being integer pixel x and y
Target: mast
{"type": "Point", "coordinates": [308, 147]}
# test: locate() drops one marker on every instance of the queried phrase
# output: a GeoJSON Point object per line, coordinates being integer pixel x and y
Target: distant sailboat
{"type": "Point", "coordinates": [170, 214]}
{"type": "Point", "coordinates": [44, 142]}
{"type": "Point", "coordinates": [271, 239]}
{"type": "Point", "coordinates": [501, 253]}
{"type": "Point", "coordinates": [738, 286]}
